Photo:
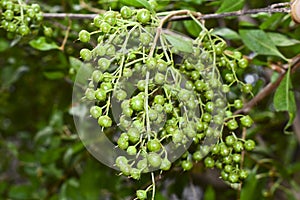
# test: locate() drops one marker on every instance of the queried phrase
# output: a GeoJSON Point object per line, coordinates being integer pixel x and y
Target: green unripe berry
{"type": "Point", "coordinates": [143, 16]}
{"type": "Point", "coordinates": [126, 12]}
{"type": "Point", "coordinates": [153, 145]}
{"type": "Point", "coordinates": [86, 54]}
{"type": "Point", "coordinates": [209, 162]}
{"type": "Point", "coordinates": [249, 145]}
{"type": "Point", "coordinates": [141, 194]}
{"type": "Point", "coordinates": [105, 121]}
{"type": "Point", "coordinates": [186, 165]}
{"type": "Point", "coordinates": [131, 150]}
{"type": "Point", "coordinates": [90, 94]}
{"type": "Point", "coordinates": [84, 36]}
{"type": "Point", "coordinates": [23, 30]}
{"type": "Point", "coordinates": [247, 88]}
{"type": "Point", "coordinates": [121, 160]}
{"type": "Point", "coordinates": [100, 94]}
{"type": "Point", "coordinates": [238, 146]}
{"type": "Point", "coordinates": [232, 124]}
{"type": "Point", "coordinates": [137, 103]}
{"type": "Point", "coordinates": [122, 143]}
{"type": "Point", "coordinates": [96, 111]}
{"type": "Point", "coordinates": [246, 121]}
{"type": "Point", "coordinates": [165, 164]}
{"type": "Point", "coordinates": [230, 140]}
{"type": "Point", "coordinates": [154, 159]}
{"type": "Point", "coordinates": [134, 135]}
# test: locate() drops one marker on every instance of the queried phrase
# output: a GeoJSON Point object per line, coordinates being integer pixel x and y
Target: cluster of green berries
{"type": "Point", "coordinates": [18, 17]}
{"type": "Point", "coordinates": [155, 94]}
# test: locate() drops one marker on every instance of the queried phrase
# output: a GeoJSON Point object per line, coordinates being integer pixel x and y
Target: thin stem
{"type": "Point", "coordinates": [274, 8]}
{"type": "Point", "coordinates": [62, 47]}
{"type": "Point", "coordinates": [153, 185]}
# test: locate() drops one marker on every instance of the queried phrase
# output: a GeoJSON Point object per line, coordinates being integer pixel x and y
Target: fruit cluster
{"type": "Point", "coordinates": [18, 17]}
{"type": "Point", "coordinates": [161, 97]}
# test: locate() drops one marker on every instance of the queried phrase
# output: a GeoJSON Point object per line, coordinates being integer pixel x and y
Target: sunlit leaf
{"type": "Point", "coordinates": [282, 40]}
{"type": "Point", "coordinates": [180, 43]}
{"type": "Point", "coordinates": [42, 45]}
{"type": "Point", "coordinates": [227, 33]}
{"type": "Point", "coordinates": [259, 42]}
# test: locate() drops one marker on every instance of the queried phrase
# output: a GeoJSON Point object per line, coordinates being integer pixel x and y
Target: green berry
{"type": "Point", "coordinates": [110, 17]}
{"type": "Point", "coordinates": [104, 64]}
{"type": "Point", "coordinates": [249, 145]}
{"type": "Point", "coordinates": [154, 145]}
{"type": "Point", "coordinates": [247, 88]}
{"type": "Point", "coordinates": [96, 111]}
{"type": "Point", "coordinates": [97, 76]}
{"type": "Point", "coordinates": [86, 54]}
{"type": "Point", "coordinates": [137, 103]}
{"type": "Point", "coordinates": [134, 135]}
{"type": "Point", "coordinates": [90, 94]}
{"type": "Point", "coordinates": [165, 164]}
{"type": "Point", "coordinates": [154, 159]}
{"type": "Point", "coordinates": [238, 104]}
{"type": "Point", "coordinates": [209, 162]}
{"type": "Point", "coordinates": [126, 12]}
{"type": "Point", "coordinates": [186, 165]}
{"type": "Point", "coordinates": [105, 27]}
{"type": "Point", "coordinates": [143, 16]}
{"type": "Point", "coordinates": [243, 63]}
{"type": "Point", "coordinates": [246, 121]}
{"type": "Point", "coordinates": [123, 143]}
{"type": "Point", "coordinates": [238, 146]}
{"type": "Point", "coordinates": [105, 121]}
{"type": "Point", "coordinates": [121, 160]}
{"type": "Point", "coordinates": [232, 124]}
{"type": "Point", "coordinates": [230, 140]}
{"type": "Point", "coordinates": [100, 94]}
{"type": "Point", "coordinates": [131, 150]}
{"type": "Point", "coordinates": [84, 36]}
{"type": "Point", "coordinates": [233, 178]}
{"type": "Point", "coordinates": [141, 194]}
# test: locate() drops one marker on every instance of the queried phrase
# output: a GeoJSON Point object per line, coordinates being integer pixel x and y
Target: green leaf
{"type": "Point", "coordinates": [137, 4]}
{"type": "Point", "coordinates": [54, 75]}
{"type": "Point", "coordinates": [282, 40]}
{"type": "Point", "coordinates": [209, 194]}
{"type": "Point", "coordinates": [249, 188]}
{"type": "Point", "coordinates": [42, 45]}
{"type": "Point", "coordinates": [284, 99]}
{"type": "Point", "coordinates": [227, 33]}
{"type": "Point", "coordinates": [272, 21]}
{"type": "Point", "coordinates": [192, 28]}
{"type": "Point", "coordinates": [231, 5]}
{"type": "Point", "coordinates": [3, 44]}
{"type": "Point", "coordinates": [259, 42]}
{"type": "Point", "coordinates": [180, 43]}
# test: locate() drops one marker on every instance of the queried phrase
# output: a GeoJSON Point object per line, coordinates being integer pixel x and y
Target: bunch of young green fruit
{"type": "Point", "coordinates": [155, 93]}
{"type": "Point", "coordinates": [19, 17]}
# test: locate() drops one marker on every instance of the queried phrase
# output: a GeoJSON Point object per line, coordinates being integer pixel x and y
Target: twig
{"type": "Point", "coordinates": [69, 15]}
{"type": "Point", "coordinates": [274, 8]}
{"type": "Point", "coordinates": [62, 47]}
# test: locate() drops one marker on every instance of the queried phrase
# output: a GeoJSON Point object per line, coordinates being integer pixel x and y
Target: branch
{"type": "Point", "coordinates": [274, 8]}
